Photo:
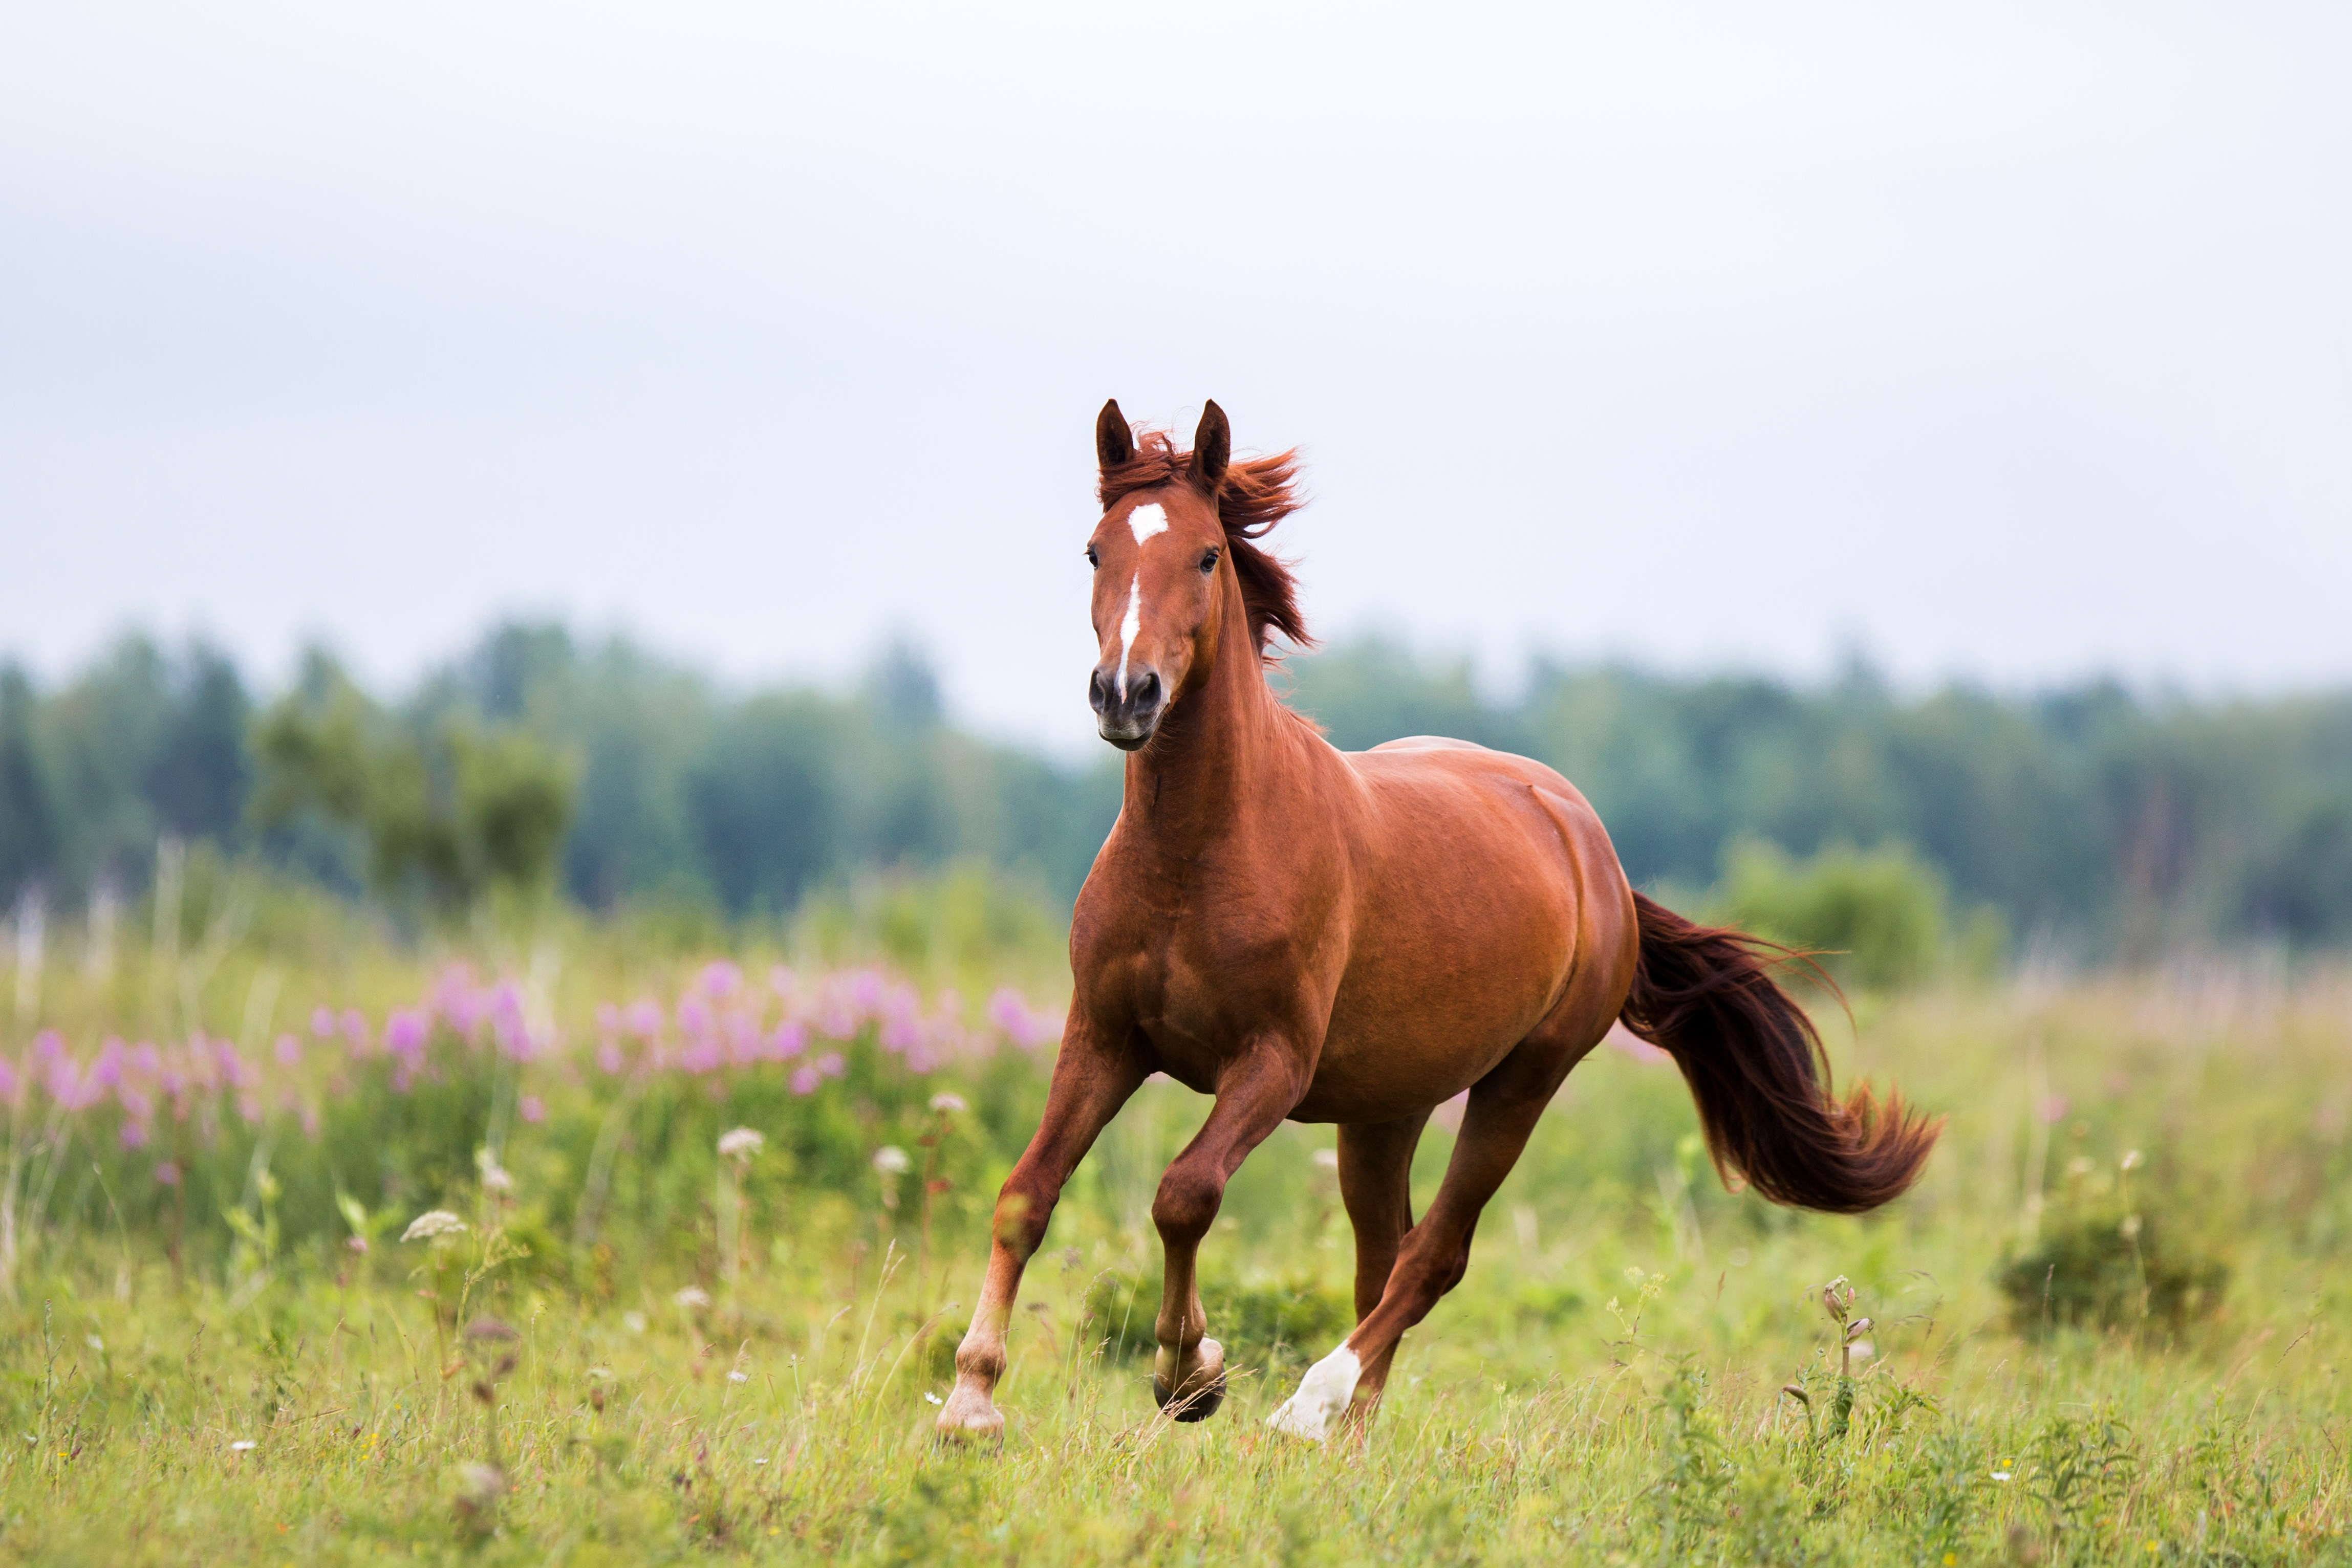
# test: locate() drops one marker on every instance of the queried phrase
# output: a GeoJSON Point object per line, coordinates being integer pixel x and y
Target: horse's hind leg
{"type": "Point", "coordinates": [1253, 1095]}
{"type": "Point", "coordinates": [1376, 1185]}
{"type": "Point", "coordinates": [1502, 1110]}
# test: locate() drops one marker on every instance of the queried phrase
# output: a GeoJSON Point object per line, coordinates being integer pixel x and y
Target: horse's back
{"type": "Point", "coordinates": [1447, 809]}
{"type": "Point", "coordinates": [1418, 772]}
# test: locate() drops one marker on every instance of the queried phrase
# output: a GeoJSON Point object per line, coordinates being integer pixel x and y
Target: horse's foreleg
{"type": "Point", "coordinates": [1434, 1253]}
{"type": "Point", "coordinates": [1253, 1094]}
{"type": "Point", "coordinates": [1092, 1079]}
{"type": "Point", "coordinates": [1376, 1186]}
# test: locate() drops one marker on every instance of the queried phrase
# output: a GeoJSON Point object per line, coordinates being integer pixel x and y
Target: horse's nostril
{"type": "Point", "coordinates": [1147, 690]}
{"type": "Point", "coordinates": [1097, 695]}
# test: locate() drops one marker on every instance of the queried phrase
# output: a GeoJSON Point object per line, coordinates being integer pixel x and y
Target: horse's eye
{"type": "Point", "coordinates": [1093, 560]}
{"type": "Point", "coordinates": [1208, 560]}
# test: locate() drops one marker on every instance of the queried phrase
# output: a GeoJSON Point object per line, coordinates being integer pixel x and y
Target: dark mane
{"type": "Point", "coordinates": [1254, 497]}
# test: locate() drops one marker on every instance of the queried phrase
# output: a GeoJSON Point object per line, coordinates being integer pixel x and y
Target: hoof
{"type": "Point", "coordinates": [987, 1430]}
{"type": "Point", "coordinates": [1207, 1393]}
{"type": "Point", "coordinates": [1195, 1406]}
{"type": "Point", "coordinates": [969, 1418]}
{"type": "Point", "coordinates": [1323, 1398]}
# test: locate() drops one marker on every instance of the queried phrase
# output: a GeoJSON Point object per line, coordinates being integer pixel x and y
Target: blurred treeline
{"type": "Point", "coordinates": [2094, 821]}
{"type": "Point", "coordinates": [660, 787]}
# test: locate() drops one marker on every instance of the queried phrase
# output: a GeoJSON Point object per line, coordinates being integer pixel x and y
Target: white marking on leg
{"type": "Point", "coordinates": [1147, 520]}
{"type": "Point", "coordinates": [1130, 627]}
{"type": "Point", "coordinates": [1322, 1397]}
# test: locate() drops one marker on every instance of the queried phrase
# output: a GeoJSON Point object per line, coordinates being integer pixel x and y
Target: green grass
{"type": "Point", "coordinates": [1607, 1385]}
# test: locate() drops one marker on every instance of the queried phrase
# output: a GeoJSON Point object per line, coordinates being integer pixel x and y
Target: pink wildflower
{"type": "Point", "coordinates": [865, 990]}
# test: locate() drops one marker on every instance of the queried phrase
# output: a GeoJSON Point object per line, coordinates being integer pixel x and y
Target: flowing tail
{"type": "Point", "coordinates": [1704, 995]}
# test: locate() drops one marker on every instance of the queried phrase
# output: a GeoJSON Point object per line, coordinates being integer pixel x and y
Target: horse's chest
{"type": "Point", "coordinates": [1198, 1007]}
{"type": "Point", "coordinates": [1181, 1004]}
{"type": "Point", "coordinates": [1231, 956]}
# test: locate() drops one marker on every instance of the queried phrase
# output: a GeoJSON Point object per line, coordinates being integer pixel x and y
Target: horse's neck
{"type": "Point", "coordinates": [1218, 761]}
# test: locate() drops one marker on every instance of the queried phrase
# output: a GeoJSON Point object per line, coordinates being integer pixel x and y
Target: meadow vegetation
{"type": "Point", "coordinates": [529, 1236]}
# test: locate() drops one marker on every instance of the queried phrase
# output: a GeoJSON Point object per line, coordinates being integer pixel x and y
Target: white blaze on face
{"type": "Point", "coordinates": [1322, 1397]}
{"type": "Point", "coordinates": [1146, 520]}
{"type": "Point", "coordinates": [1130, 627]}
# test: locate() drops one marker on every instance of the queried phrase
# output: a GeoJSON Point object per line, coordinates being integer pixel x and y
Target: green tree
{"type": "Point", "coordinates": [449, 809]}
{"type": "Point", "coordinates": [1880, 915]}
{"type": "Point", "coordinates": [28, 810]}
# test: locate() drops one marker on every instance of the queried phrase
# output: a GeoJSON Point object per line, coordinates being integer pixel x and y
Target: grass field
{"type": "Point", "coordinates": [736, 1358]}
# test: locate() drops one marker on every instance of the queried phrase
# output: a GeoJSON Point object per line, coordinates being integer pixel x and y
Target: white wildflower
{"type": "Point", "coordinates": [891, 1160]}
{"type": "Point", "coordinates": [432, 1222]}
{"type": "Point", "coordinates": [693, 1298]}
{"type": "Point", "coordinates": [2131, 1159]}
{"type": "Point", "coordinates": [242, 1444]}
{"type": "Point", "coordinates": [738, 1377]}
{"type": "Point", "coordinates": [946, 1101]}
{"type": "Point", "coordinates": [740, 1144]}
{"type": "Point", "coordinates": [494, 1174]}
{"type": "Point", "coordinates": [932, 1397]}
{"type": "Point", "coordinates": [634, 1322]}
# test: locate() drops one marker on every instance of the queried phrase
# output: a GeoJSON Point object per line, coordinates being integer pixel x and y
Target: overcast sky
{"type": "Point", "coordinates": [2006, 342]}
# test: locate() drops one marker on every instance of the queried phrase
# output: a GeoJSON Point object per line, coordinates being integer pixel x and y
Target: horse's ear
{"type": "Point", "coordinates": [1114, 443]}
{"type": "Point", "coordinates": [1213, 448]}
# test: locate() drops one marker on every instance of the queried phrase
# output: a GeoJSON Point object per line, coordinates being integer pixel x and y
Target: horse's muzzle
{"type": "Point", "coordinates": [1129, 721]}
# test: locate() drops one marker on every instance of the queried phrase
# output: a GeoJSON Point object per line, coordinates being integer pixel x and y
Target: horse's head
{"type": "Point", "coordinates": [1162, 579]}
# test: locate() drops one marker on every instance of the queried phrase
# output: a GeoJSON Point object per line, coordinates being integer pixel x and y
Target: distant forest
{"type": "Point", "coordinates": [2118, 823]}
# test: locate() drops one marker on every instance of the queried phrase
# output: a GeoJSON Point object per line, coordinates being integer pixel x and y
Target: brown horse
{"type": "Point", "coordinates": [1356, 937]}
